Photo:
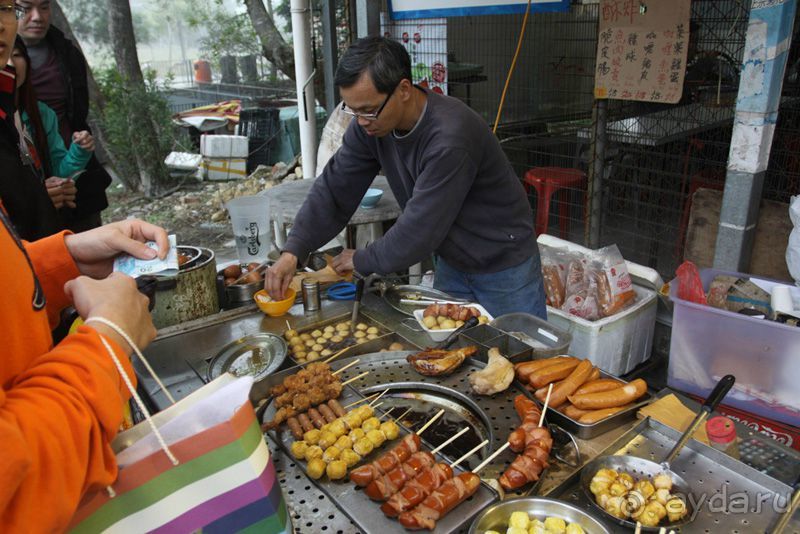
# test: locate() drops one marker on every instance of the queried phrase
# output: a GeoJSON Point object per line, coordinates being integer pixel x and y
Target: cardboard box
{"type": "Point", "coordinates": [224, 146]}
{"type": "Point", "coordinates": [224, 168]}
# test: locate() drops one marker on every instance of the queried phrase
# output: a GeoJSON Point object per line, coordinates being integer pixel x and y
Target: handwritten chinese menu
{"type": "Point", "coordinates": [641, 50]}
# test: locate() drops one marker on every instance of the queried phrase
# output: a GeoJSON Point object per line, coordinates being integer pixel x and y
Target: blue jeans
{"type": "Point", "coordinates": [517, 289]}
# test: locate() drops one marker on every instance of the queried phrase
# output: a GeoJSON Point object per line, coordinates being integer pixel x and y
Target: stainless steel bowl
{"type": "Point", "coordinates": [496, 517]}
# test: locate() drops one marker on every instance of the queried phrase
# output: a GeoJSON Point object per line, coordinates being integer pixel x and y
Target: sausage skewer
{"type": "Point", "coordinates": [410, 444]}
{"type": "Point", "coordinates": [386, 485]}
{"type": "Point", "coordinates": [534, 446]}
{"type": "Point", "coordinates": [450, 494]}
{"type": "Point", "coordinates": [417, 489]}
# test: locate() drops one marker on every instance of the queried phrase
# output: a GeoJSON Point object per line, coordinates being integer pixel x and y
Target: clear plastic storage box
{"type": "Point", "coordinates": [764, 356]}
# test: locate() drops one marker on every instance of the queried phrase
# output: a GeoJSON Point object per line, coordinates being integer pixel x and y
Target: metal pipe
{"type": "Point", "coordinates": [304, 72]}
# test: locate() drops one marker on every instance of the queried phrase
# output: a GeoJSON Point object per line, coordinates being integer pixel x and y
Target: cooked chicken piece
{"type": "Point", "coordinates": [437, 362]}
{"type": "Point", "coordinates": [495, 377]}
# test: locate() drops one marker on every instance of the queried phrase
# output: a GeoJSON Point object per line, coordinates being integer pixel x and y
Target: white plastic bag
{"type": "Point", "coordinates": [793, 249]}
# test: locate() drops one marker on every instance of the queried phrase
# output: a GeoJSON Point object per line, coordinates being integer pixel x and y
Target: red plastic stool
{"type": "Point", "coordinates": [546, 181]}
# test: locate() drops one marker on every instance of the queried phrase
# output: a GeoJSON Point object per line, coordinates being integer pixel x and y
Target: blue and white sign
{"type": "Point", "coordinates": [423, 9]}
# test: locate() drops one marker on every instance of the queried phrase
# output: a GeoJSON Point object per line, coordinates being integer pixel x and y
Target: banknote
{"type": "Point", "coordinates": [135, 267]}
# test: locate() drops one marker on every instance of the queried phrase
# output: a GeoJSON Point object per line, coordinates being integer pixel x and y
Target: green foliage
{"type": "Point", "coordinates": [128, 107]}
{"type": "Point", "coordinates": [226, 33]}
{"type": "Point", "coordinates": [89, 21]}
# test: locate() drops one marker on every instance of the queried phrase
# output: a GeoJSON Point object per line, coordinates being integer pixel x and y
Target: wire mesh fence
{"type": "Point", "coordinates": [655, 156]}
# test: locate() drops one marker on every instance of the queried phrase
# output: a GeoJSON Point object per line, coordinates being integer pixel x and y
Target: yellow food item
{"type": "Point", "coordinates": [344, 442]}
{"type": "Point", "coordinates": [617, 489]}
{"type": "Point", "coordinates": [573, 528]}
{"type": "Point", "coordinates": [352, 420]}
{"type": "Point", "coordinates": [516, 530]}
{"type": "Point", "coordinates": [616, 507]}
{"type": "Point", "coordinates": [356, 434]}
{"type": "Point", "coordinates": [299, 449]}
{"type": "Point", "coordinates": [430, 321]}
{"type": "Point", "coordinates": [316, 333]}
{"type": "Point", "coordinates": [646, 488]}
{"type": "Point", "coordinates": [336, 470]}
{"type": "Point", "coordinates": [675, 509]}
{"type": "Point", "coordinates": [376, 437]}
{"type": "Point", "coordinates": [312, 436]}
{"type": "Point", "coordinates": [556, 525]}
{"type": "Point", "coordinates": [359, 334]}
{"type": "Point", "coordinates": [338, 428]}
{"type": "Point", "coordinates": [373, 423]}
{"type": "Point", "coordinates": [327, 438]}
{"type": "Point", "coordinates": [390, 430]}
{"type": "Point", "coordinates": [519, 520]}
{"type": "Point", "coordinates": [626, 480]}
{"type": "Point", "coordinates": [365, 411]}
{"type": "Point", "coordinates": [331, 453]}
{"type": "Point", "coordinates": [661, 495]}
{"type": "Point", "coordinates": [350, 457]}
{"type": "Point", "coordinates": [314, 451]}
{"type": "Point", "coordinates": [363, 446]}
{"type": "Point", "coordinates": [662, 480]}
{"type": "Point", "coordinates": [315, 468]}
{"type": "Point", "coordinates": [482, 319]}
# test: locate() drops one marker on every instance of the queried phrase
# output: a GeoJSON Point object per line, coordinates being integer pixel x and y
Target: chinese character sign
{"type": "Point", "coordinates": [426, 43]}
{"type": "Point", "coordinates": [642, 47]}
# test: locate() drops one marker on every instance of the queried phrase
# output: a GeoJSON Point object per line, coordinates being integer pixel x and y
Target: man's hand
{"type": "Point", "coordinates": [94, 251]}
{"type": "Point", "coordinates": [280, 275]}
{"type": "Point", "coordinates": [84, 140]}
{"type": "Point", "coordinates": [62, 191]}
{"type": "Point", "coordinates": [116, 299]}
{"type": "Point", "coordinates": [343, 263]}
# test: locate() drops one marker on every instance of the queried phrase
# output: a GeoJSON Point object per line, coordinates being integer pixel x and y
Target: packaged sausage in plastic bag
{"type": "Point", "coordinates": [554, 267]}
{"type": "Point", "coordinates": [613, 281]}
{"type": "Point", "coordinates": [583, 303]}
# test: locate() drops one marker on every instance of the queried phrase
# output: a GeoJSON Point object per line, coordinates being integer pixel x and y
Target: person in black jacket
{"type": "Point", "coordinates": [59, 76]}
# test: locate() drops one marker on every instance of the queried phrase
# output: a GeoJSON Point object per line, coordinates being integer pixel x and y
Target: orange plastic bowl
{"type": "Point", "coordinates": [274, 308]}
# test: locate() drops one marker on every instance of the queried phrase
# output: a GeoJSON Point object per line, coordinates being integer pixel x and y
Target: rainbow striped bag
{"type": "Point", "coordinates": [224, 479]}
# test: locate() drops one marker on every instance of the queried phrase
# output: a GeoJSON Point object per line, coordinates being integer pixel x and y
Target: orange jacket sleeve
{"type": "Point", "coordinates": [54, 266]}
{"type": "Point", "coordinates": [56, 423]}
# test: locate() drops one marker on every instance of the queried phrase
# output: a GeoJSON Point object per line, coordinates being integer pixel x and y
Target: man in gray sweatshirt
{"type": "Point", "coordinates": [460, 197]}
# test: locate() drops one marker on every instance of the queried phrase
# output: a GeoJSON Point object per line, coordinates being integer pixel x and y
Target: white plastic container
{"type": "Point", "coordinates": [224, 146]}
{"type": "Point", "coordinates": [708, 343]}
{"type": "Point", "coordinates": [441, 335]}
{"type": "Point", "coordinates": [618, 343]}
{"type": "Point", "coordinates": [615, 344]}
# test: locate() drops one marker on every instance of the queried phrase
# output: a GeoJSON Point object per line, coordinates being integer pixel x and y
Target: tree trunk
{"type": "Point", "coordinates": [96, 98]}
{"type": "Point", "coordinates": [227, 66]}
{"type": "Point", "coordinates": [273, 46]}
{"type": "Point", "coordinates": [123, 42]}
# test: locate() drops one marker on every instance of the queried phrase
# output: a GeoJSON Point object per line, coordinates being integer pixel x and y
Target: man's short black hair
{"type": "Point", "coordinates": [385, 59]}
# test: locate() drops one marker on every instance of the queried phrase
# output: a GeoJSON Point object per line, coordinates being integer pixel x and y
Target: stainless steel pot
{"type": "Point", "coordinates": [190, 295]}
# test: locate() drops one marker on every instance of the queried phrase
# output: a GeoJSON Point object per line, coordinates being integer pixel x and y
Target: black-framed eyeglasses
{"type": "Point", "coordinates": [369, 116]}
{"type": "Point", "coordinates": [7, 9]}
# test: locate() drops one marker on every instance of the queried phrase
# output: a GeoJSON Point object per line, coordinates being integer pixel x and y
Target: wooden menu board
{"type": "Point", "coordinates": [641, 50]}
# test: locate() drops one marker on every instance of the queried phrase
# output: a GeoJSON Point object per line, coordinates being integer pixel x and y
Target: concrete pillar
{"type": "Point", "coordinates": [769, 34]}
{"type": "Point", "coordinates": [330, 54]}
{"type": "Point", "coordinates": [368, 17]}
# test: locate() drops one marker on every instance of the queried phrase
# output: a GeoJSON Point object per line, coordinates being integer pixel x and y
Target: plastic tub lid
{"type": "Point", "coordinates": [720, 429]}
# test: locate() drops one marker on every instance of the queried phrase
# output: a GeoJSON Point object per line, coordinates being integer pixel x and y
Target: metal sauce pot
{"type": "Point", "coordinates": [192, 294]}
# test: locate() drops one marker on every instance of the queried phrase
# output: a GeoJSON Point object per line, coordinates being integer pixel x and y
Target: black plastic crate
{"type": "Point", "coordinates": [259, 152]}
{"type": "Point", "coordinates": [259, 123]}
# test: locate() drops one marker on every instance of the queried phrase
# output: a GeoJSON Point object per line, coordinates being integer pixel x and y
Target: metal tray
{"type": "Point", "coordinates": [729, 495]}
{"type": "Point", "coordinates": [585, 431]}
{"type": "Point", "coordinates": [496, 516]}
{"type": "Point", "coordinates": [395, 294]}
{"type": "Point", "coordinates": [364, 513]}
{"type": "Point", "coordinates": [256, 355]}
{"type": "Point", "coordinates": [353, 347]}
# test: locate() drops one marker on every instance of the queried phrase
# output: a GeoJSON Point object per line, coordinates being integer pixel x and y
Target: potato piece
{"type": "Point", "coordinates": [390, 430]}
{"type": "Point", "coordinates": [338, 428]}
{"type": "Point", "coordinates": [356, 434]}
{"type": "Point", "coordinates": [372, 423]}
{"type": "Point", "coordinates": [337, 339]}
{"type": "Point", "coordinates": [314, 451]}
{"type": "Point", "coordinates": [299, 449]}
{"type": "Point", "coordinates": [396, 346]}
{"type": "Point", "coordinates": [316, 333]}
{"type": "Point", "coordinates": [483, 319]}
{"type": "Point", "coordinates": [312, 436]}
{"type": "Point", "coordinates": [519, 520]}
{"type": "Point", "coordinates": [363, 446]}
{"type": "Point", "coordinates": [361, 326]}
{"type": "Point", "coordinates": [305, 336]}
{"type": "Point", "coordinates": [574, 528]}
{"type": "Point", "coordinates": [556, 525]}
{"type": "Point", "coordinates": [320, 341]}
{"type": "Point", "coordinates": [365, 411]}
{"type": "Point", "coordinates": [336, 470]}
{"type": "Point", "coordinates": [316, 468]}
{"type": "Point", "coordinates": [429, 321]}
{"type": "Point", "coordinates": [361, 340]}
{"type": "Point", "coordinates": [310, 343]}
{"type": "Point", "coordinates": [662, 480]}
{"type": "Point", "coordinates": [326, 352]}
{"type": "Point", "coordinates": [459, 324]}
{"type": "Point", "coordinates": [301, 355]}
{"type": "Point", "coordinates": [317, 348]}
{"type": "Point", "coordinates": [442, 318]}
{"type": "Point", "coordinates": [328, 335]}
{"type": "Point", "coordinates": [343, 443]}
{"type": "Point", "coordinates": [327, 438]}
{"type": "Point", "coordinates": [331, 453]}
{"type": "Point", "coordinates": [329, 329]}
{"type": "Point", "coordinates": [313, 356]}
{"type": "Point", "coordinates": [372, 330]}
{"type": "Point", "coordinates": [352, 420]}
{"type": "Point", "coordinates": [350, 457]}
{"type": "Point", "coordinates": [626, 480]}
{"type": "Point", "coordinates": [372, 336]}
{"type": "Point", "coordinates": [359, 334]}
{"type": "Point", "coordinates": [448, 324]}
{"type": "Point", "coordinates": [376, 437]}
{"type": "Point", "coordinates": [645, 488]}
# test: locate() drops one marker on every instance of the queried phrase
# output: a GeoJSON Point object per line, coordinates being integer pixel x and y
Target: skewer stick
{"type": "Point", "coordinates": [491, 457]}
{"type": "Point", "coordinates": [336, 355]}
{"type": "Point", "coordinates": [546, 402]}
{"type": "Point", "coordinates": [379, 396]}
{"type": "Point", "coordinates": [359, 401]}
{"type": "Point", "coordinates": [288, 327]}
{"type": "Point", "coordinates": [472, 451]}
{"type": "Point", "coordinates": [362, 375]}
{"type": "Point", "coordinates": [449, 441]}
{"type": "Point", "coordinates": [429, 423]}
{"type": "Point", "coordinates": [638, 528]}
{"type": "Point", "coordinates": [400, 417]}
{"type": "Point", "coordinates": [380, 403]}
{"type": "Point", "coordinates": [662, 530]}
{"type": "Point", "coordinates": [349, 365]}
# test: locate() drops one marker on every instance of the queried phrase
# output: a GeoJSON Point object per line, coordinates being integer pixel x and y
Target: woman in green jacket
{"type": "Point", "coordinates": [56, 163]}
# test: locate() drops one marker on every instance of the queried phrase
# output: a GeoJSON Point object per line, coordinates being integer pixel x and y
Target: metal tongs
{"type": "Point", "coordinates": [358, 280]}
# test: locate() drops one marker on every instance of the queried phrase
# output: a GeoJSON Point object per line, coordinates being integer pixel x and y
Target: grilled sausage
{"type": "Point", "coordinates": [552, 373]}
{"type": "Point", "coordinates": [327, 413]}
{"type": "Point", "coordinates": [443, 499]}
{"type": "Point", "coordinates": [365, 474]}
{"type": "Point", "coordinates": [566, 387]}
{"type": "Point", "coordinates": [611, 398]}
{"type": "Point", "coordinates": [305, 422]}
{"type": "Point", "coordinates": [296, 429]}
{"type": "Point", "coordinates": [387, 485]}
{"type": "Point", "coordinates": [594, 416]}
{"type": "Point", "coordinates": [316, 417]}
{"type": "Point", "coordinates": [415, 491]}
{"type": "Point", "coordinates": [334, 405]}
